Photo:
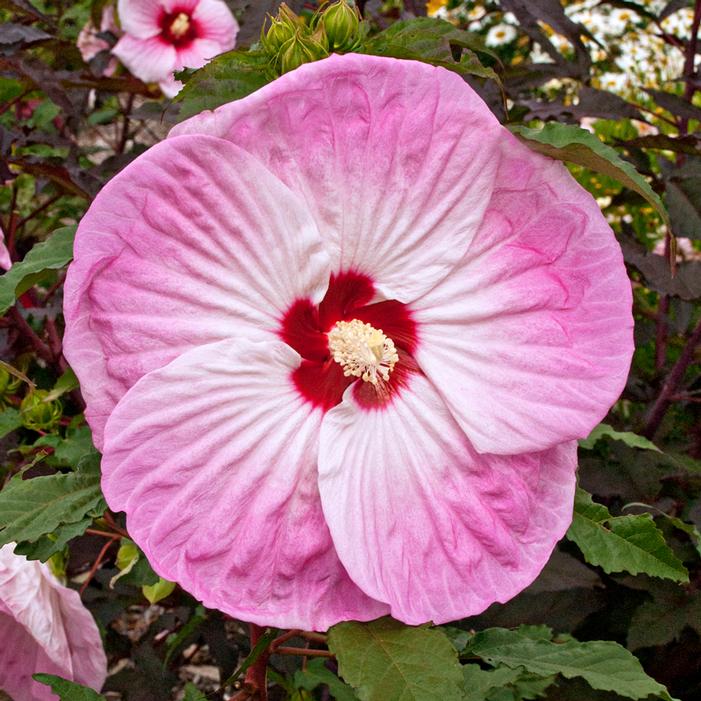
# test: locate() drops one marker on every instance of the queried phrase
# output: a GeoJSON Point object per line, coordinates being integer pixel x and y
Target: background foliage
{"type": "Point", "coordinates": [609, 87]}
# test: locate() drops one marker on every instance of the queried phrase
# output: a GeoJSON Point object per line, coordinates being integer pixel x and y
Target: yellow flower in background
{"type": "Point", "coordinates": [433, 6]}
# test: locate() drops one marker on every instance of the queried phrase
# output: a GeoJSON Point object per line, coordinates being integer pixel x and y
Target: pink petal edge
{"type": "Point", "coordinates": [170, 255]}
{"type": "Point", "coordinates": [529, 340]}
{"type": "Point", "coordinates": [422, 521]}
{"type": "Point", "coordinates": [213, 458]}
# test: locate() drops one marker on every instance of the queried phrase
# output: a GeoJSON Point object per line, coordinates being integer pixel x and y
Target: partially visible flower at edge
{"type": "Point", "coordinates": [90, 44]}
{"type": "Point", "coordinates": [164, 36]}
{"type": "Point", "coordinates": [5, 260]}
{"type": "Point", "coordinates": [337, 340]}
{"type": "Point", "coordinates": [44, 627]}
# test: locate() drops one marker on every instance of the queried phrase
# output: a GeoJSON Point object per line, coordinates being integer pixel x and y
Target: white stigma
{"type": "Point", "coordinates": [180, 25]}
{"type": "Point", "coordinates": [362, 351]}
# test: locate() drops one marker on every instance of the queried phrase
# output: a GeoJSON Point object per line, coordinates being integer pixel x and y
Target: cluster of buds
{"type": "Point", "coordinates": [291, 41]}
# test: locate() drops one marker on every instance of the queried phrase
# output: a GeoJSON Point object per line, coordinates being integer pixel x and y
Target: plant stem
{"type": "Point", "coordinates": [671, 384]}
{"type": "Point", "coordinates": [256, 675]}
{"type": "Point", "coordinates": [303, 651]}
{"type": "Point", "coordinates": [20, 323]}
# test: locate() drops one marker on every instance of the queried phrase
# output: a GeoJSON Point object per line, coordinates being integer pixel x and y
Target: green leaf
{"type": "Point", "coordinates": [192, 693]}
{"type": "Point", "coordinates": [134, 568]}
{"type": "Point", "coordinates": [317, 674]}
{"type": "Point", "coordinates": [66, 383]}
{"type": "Point", "coordinates": [47, 545]}
{"type": "Point", "coordinates": [35, 507]}
{"type": "Point", "coordinates": [51, 254]}
{"type": "Point", "coordinates": [258, 649]}
{"type": "Point", "coordinates": [227, 77]}
{"type": "Point", "coordinates": [479, 682]}
{"type": "Point", "coordinates": [68, 691]}
{"type": "Point", "coordinates": [567, 142]}
{"type": "Point", "coordinates": [158, 591]}
{"type": "Point", "coordinates": [9, 421]}
{"type": "Point", "coordinates": [622, 543]}
{"type": "Point", "coordinates": [385, 660]}
{"type": "Point", "coordinates": [74, 447]}
{"type": "Point", "coordinates": [632, 440]}
{"type": "Point", "coordinates": [604, 665]}
{"type": "Point", "coordinates": [663, 619]}
{"type": "Point", "coordinates": [433, 41]}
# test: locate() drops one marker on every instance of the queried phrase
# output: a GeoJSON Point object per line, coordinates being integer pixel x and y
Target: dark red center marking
{"type": "Point", "coordinates": [177, 31]}
{"type": "Point", "coordinates": [319, 378]}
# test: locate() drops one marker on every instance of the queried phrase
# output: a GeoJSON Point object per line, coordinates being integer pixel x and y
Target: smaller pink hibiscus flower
{"type": "Point", "coordinates": [90, 43]}
{"type": "Point", "coordinates": [45, 628]}
{"type": "Point", "coordinates": [163, 36]}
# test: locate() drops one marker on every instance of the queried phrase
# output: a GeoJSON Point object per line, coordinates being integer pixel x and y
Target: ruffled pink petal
{"type": "Point", "coordinates": [422, 521]}
{"type": "Point", "coordinates": [150, 59]}
{"type": "Point", "coordinates": [216, 23]}
{"type": "Point", "coordinates": [140, 18]}
{"type": "Point", "coordinates": [197, 53]}
{"type": "Point", "coordinates": [192, 243]}
{"type": "Point", "coordinates": [213, 458]}
{"type": "Point", "coordinates": [396, 160]}
{"type": "Point", "coordinates": [530, 339]}
{"type": "Point", "coordinates": [43, 628]}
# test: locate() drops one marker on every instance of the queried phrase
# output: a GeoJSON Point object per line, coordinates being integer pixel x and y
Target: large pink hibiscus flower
{"type": "Point", "coordinates": [44, 627]}
{"type": "Point", "coordinates": [162, 36]}
{"type": "Point", "coordinates": [337, 340]}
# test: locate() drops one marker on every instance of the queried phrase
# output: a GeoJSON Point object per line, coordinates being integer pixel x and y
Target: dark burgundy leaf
{"type": "Point", "coordinates": [678, 106]}
{"type": "Point", "coordinates": [655, 269]}
{"type": "Point", "coordinates": [17, 35]}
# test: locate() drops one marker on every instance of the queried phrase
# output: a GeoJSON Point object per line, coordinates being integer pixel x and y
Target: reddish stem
{"type": "Point", "coordinates": [256, 681]}
{"type": "Point", "coordinates": [303, 651]}
{"type": "Point", "coordinates": [96, 564]}
{"type": "Point", "coordinates": [102, 534]}
{"type": "Point", "coordinates": [671, 384]}
{"type": "Point", "coordinates": [107, 516]}
{"type": "Point", "coordinates": [30, 336]}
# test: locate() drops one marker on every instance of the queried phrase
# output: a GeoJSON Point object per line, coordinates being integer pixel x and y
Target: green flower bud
{"type": "Point", "coordinates": [38, 414]}
{"type": "Point", "coordinates": [298, 50]}
{"type": "Point", "coordinates": [342, 24]}
{"type": "Point", "coordinates": [280, 31]}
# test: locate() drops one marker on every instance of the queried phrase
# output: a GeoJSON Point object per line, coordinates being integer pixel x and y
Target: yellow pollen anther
{"type": "Point", "coordinates": [180, 25]}
{"type": "Point", "coordinates": [362, 351]}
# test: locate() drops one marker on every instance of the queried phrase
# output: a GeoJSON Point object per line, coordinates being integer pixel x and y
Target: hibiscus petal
{"type": "Point", "coordinates": [44, 627]}
{"type": "Point", "coordinates": [148, 59]}
{"type": "Point", "coordinates": [530, 338]}
{"type": "Point", "coordinates": [422, 521]}
{"type": "Point", "coordinates": [194, 243]}
{"type": "Point", "coordinates": [396, 160]}
{"type": "Point", "coordinates": [170, 87]}
{"type": "Point", "coordinates": [213, 458]}
{"type": "Point", "coordinates": [187, 6]}
{"type": "Point", "coordinates": [215, 22]}
{"type": "Point", "coordinates": [140, 18]}
{"type": "Point", "coordinates": [197, 53]}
